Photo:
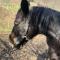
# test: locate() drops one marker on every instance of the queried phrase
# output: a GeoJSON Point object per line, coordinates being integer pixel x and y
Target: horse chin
{"type": "Point", "coordinates": [14, 41]}
{"type": "Point", "coordinates": [17, 41]}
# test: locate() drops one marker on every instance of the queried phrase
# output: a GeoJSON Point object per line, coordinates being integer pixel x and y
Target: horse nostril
{"type": "Point", "coordinates": [24, 38]}
{"type": "Point", "coordinates": [17, 46]}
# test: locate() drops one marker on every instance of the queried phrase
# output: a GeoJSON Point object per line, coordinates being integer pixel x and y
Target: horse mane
{"type": "Point", "coordinates": [25, 7]}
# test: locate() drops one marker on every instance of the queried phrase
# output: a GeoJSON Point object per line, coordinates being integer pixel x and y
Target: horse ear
{"type": "Point", "coordinates": [25, 7]}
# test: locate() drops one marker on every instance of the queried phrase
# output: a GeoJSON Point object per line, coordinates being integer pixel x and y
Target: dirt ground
{"type": "Point", "coordinates": [35, 49]}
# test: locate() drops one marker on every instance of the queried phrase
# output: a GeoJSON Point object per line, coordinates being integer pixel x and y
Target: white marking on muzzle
{"type": "Point", "coordinates": [16, 41]}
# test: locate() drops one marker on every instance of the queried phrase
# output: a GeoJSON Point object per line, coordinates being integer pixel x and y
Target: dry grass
{"type": "Point", "coordinates": [35, 49]}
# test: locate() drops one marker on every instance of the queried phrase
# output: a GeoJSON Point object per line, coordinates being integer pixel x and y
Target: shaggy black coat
{"type": "Point", "coordinates": [39, 20]}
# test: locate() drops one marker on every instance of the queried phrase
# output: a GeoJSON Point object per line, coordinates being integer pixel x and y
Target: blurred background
{"type": "Point", "coordinates": [9, 8]}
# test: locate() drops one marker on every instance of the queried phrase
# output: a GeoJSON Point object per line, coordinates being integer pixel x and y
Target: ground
{"type": "Point", "coordinates": [35, 49]}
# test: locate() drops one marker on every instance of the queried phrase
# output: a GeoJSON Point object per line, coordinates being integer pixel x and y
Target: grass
{"type": "Point", "coordinates": [8, 12]}
{"type": "Point", "coordinates": [12, 7]}
{"type": "Point", "coordinates": [7, 16]}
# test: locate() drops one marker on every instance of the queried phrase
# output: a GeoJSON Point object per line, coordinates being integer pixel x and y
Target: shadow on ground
{"type": "Point", "coordinates": [5, 53]}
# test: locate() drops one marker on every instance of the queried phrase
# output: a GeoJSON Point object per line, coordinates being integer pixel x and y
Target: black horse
{"type": "Point", "coordinates": [38, 20]}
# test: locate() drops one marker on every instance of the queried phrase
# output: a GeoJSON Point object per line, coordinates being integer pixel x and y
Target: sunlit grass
{"type": "Point", "coordinates": [6, 23]}
{"type": "Point", "coordinates": [11, 7]}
